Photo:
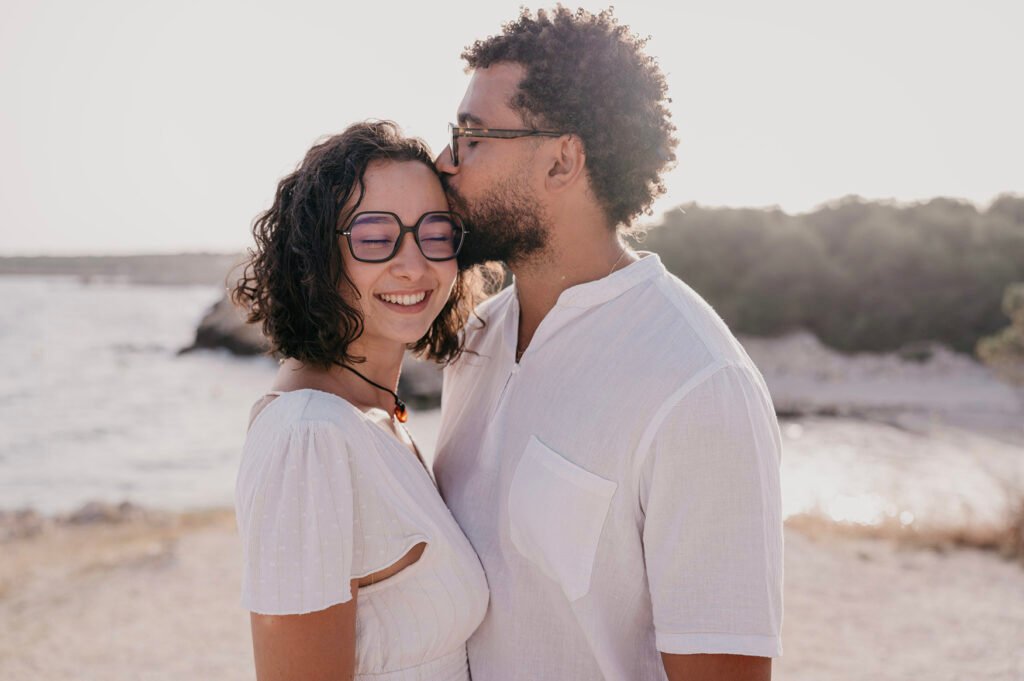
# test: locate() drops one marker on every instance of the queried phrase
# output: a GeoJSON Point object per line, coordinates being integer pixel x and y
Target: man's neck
{"type": "Point", "coordinates": [542, 279]}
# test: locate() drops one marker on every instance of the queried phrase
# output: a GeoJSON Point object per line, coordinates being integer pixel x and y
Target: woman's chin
{"type": "Point", "coordinates": [399, 326]}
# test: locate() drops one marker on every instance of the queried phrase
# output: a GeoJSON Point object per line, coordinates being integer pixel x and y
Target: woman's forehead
{"type": "Point", "coordinates": [398, 185]}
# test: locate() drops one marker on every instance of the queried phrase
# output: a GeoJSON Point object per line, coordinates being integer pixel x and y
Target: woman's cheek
{"type": "Point", "coordinates": [451, 272]}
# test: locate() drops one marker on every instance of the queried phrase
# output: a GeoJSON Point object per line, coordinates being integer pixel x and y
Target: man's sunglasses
{"type": "Point", "coordinates": [375, 236]}
{"type": "Point", "coordinates": [457, 131]}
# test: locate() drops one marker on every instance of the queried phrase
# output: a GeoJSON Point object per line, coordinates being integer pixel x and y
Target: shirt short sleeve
{"type": "Point", "coordinates": [712, 535]}
{"type": "Point", "coordinates": [293, 501]}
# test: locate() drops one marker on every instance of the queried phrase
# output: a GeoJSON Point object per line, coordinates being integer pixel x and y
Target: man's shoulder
{"type": "Point", "coordinates": [686, 323]}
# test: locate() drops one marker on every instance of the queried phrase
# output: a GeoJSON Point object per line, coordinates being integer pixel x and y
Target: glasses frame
{"type": "Point", "coordinates": [457, 131]}
{"type": "Point", "coordinates": [457, 223]}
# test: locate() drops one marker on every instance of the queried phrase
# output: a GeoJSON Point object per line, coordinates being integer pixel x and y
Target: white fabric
{"type": "Point", "coordinates": [325, 495]}
{"type": "Point", "coordinates": [620, 484]}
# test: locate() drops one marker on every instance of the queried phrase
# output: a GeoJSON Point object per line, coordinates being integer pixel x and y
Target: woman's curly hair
{"type": "Point", "coordinates": [292, 277]}
{"type": "Point", "coordinates": [587, 75]}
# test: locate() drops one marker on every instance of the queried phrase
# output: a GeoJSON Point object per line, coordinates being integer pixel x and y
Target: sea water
{"type": "Point", "coordinates": [97, 404]}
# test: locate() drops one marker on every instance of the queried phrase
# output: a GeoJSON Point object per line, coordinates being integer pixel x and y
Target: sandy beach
{"type": "Point", "coordinates": [136, 595]}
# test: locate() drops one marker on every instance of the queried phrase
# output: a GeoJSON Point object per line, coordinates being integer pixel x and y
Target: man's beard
{"type": "Point", "coordinates": [505, 225]}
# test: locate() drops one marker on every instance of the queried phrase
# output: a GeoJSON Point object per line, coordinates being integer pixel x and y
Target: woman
{"type": "Point", "coordinates": [352, 562]}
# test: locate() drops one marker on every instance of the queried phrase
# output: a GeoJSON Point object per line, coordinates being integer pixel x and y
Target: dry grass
{"type": "Point", "coordinates": [1006, 539]}
{"type": "Point", "coordinates": [94, 539]}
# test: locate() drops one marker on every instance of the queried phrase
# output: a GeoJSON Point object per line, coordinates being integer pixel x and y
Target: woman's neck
{"type": "Point", "coordinates": [382, 365]}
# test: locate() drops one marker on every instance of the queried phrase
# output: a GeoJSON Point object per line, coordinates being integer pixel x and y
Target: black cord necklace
{"type": "Point", "coordinates": [400, 411]}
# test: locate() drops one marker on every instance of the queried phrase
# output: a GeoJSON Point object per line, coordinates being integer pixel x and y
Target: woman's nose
{"type": "Point", "coordinates": [409, 260]}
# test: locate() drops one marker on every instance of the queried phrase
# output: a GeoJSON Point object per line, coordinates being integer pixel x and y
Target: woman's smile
{"type": "Point", "coordinates": [406, 302]}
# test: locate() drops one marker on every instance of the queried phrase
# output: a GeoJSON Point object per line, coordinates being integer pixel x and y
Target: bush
{"type": "Point", "coordinates": [864, 276]}
{"type": "Point", "coordinates": [1004, 351]}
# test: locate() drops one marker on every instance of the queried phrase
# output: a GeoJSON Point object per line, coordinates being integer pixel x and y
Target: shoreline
{"type": "Point", "coordinates": [128, 531]}
{"type": "Point", "coordinates": [904, 476]}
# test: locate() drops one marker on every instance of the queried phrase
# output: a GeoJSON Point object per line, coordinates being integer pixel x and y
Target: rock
{"type": "Point", "coordinates": [224, 326]}
{"type": "Point", "coordinates": [21, 524]}
{"type": "Point", "coordinates": [94, 512]}
{"type": "Point", "coordinates": [918, 351]}
{"type": "Point", "coordinates": [420, 383]}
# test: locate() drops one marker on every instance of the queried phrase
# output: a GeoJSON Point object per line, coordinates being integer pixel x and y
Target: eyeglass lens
{"type": "Point", "coordinates": [375, 236]}
{"type": "Point", "coordinates": [453, 147]}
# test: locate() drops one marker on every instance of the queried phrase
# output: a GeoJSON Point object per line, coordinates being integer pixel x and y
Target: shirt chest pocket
{"type": "Point", "coordinates": [556, 513]}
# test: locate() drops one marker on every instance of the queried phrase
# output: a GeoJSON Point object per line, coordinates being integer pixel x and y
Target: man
{"type": "Point", "coordinates": [607, 445]}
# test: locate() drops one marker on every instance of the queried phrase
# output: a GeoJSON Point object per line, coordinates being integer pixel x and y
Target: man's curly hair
{"type": "Point", "coordinates": [587, 75]}
{"type": "Point", "coordinates": [292, 279]}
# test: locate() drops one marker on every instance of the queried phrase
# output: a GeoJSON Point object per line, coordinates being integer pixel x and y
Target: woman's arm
{"type": "Point", "coordinates": [316, 646]}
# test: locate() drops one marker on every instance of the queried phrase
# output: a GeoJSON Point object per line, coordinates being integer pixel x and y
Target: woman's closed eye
{"type": "Point", "coordinates": [436, 238]}
{"type": "Point", "coordinates": [375, 241]}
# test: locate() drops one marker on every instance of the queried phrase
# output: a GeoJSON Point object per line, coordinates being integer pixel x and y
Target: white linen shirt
{"type": "Point", "coordinates": [620, 483]}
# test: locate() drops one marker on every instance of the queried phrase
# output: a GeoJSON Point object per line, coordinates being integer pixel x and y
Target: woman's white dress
{"type": "Point", "coordinates": [325, 495]}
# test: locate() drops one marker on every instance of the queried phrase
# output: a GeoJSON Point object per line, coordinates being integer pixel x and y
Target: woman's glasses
{"type": "Point", "coordinates": [375, 236]}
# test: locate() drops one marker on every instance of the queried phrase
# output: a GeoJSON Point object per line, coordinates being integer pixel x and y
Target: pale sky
{"type": "Point", "coordinates": [129, 126]}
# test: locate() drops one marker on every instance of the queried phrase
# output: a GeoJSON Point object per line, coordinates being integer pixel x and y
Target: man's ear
{"type": "Point", "coordinates": [568, 164]}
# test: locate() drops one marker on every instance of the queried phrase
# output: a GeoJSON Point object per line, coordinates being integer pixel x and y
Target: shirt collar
{"type": "Point", "coordinates": [582, 296]}
{"type": "Point", "coordinates": [615, 284]}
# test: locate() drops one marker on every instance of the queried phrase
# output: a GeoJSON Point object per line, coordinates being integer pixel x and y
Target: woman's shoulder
{"type": "Point", "coordinates": [300, 444]}
{"type": "Point", "coordinates": [307, 408]}
{"type": "Point", "coordinates": [310, 420]}
{"type": "Point", "coordinates": [294, 505]}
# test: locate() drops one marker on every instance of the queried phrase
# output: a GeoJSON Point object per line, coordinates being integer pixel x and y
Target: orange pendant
{"type": "Point", "coordinates": [400, 411]}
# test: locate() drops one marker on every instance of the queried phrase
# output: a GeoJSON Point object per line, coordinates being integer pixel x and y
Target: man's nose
{"type": "Point", "coordinates": [443, 162]}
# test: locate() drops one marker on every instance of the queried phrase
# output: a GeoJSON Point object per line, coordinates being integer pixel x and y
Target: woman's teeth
{"type": "Point", "coordinates": [409, 299]}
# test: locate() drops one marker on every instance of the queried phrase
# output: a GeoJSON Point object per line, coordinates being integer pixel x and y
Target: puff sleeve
{"type": "Point", "coordinates": [293, 502]}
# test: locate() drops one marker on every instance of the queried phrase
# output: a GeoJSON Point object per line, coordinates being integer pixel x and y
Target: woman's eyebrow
{"type": "Point", "coordinates": [373, 218]}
